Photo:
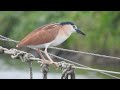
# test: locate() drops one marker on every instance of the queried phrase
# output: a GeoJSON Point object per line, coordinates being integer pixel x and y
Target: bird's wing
{"type": "Point", "coordinates": [44, 34]}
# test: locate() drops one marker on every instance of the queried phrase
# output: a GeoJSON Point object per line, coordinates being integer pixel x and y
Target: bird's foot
{"type": "Point", "coordinates": [55, 64]}
{"type": "Point", "coordinates": [44, 61]}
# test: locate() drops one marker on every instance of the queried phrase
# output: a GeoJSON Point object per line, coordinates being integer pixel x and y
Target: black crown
{"type": "Point", "coordinates": [66, 23]}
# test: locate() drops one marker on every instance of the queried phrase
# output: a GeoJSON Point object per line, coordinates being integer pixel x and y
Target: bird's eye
{"type": "Point", "coordinates": [74, 26]}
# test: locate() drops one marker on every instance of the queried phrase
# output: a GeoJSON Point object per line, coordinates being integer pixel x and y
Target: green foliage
{"type": "Point", "coordinates": [102, 28]}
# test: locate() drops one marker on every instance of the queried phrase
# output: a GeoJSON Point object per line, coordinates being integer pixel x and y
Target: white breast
{"type": "Point", "coordinates": [61, 37]}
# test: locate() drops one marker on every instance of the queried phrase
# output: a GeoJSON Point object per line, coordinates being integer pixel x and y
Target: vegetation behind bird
{"type": "Point", "coordinates": [102, 28]}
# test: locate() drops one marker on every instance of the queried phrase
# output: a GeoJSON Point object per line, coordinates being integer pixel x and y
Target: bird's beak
{"type": "Point", "coordinates": [79, 31]}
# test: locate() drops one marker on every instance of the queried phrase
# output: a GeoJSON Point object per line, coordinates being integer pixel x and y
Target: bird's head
{"type": "Point", "coordinates": [72, 26]}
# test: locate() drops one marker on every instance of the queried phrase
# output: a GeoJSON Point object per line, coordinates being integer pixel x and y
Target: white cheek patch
{"type": "Point", "coordinates": [72, 29]}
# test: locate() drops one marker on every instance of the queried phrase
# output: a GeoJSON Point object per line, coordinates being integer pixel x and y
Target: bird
{"type": "Point", "coordinates": [49, 35]}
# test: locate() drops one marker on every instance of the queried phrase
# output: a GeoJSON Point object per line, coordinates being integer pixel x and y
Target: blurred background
{"type": "Point", "coordinates": [102, 29]}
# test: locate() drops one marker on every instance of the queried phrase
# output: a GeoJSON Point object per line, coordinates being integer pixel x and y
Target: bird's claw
{"type": "Point", "coordinates": [55, 64]}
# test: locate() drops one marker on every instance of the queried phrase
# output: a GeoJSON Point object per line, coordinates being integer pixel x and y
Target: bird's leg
{"type": "Point", "coordinates": [52, 62]}
{"type": "Point", "coordinates": [41, 55]}
{"type": "Point", "coordinates": [48, 55]}
{"type": "Point", "coordinates": [38, 50]}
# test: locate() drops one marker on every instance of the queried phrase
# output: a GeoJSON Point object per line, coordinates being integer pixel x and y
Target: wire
{"type": "Point", "coordinates": [93, 54]}
{"type": "Point", "coordinates": [7, 39]}
{"type": "Point", "coordinates": [97, 70]}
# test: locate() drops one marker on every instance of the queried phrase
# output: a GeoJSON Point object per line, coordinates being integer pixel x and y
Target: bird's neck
{"type": "Point", "coordinates": [68, 32]}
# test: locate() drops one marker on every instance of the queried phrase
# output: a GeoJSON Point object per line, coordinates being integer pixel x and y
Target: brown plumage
{"type": "Point", "coordinates": [41, 35]}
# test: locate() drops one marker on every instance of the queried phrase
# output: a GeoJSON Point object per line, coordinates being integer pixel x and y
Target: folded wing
{"type": "Point", "coordinates": [44, 34]}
